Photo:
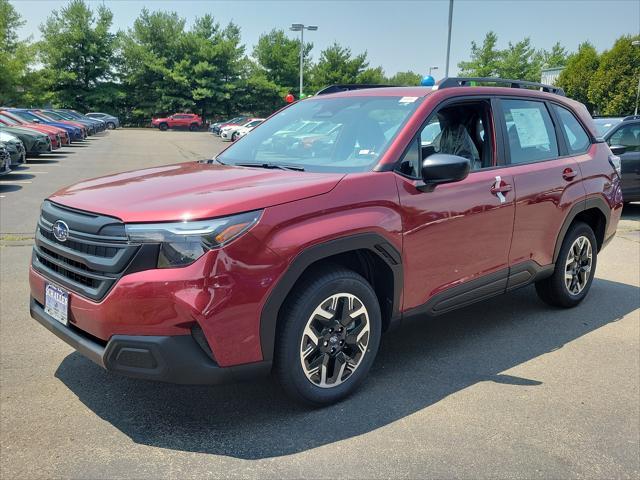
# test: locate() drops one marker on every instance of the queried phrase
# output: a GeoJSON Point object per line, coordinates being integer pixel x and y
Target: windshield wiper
{"type": "Point", "coordinates": [279, 166]}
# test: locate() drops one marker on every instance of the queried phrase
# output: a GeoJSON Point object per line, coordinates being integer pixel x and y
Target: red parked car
{"type": "Point", "coordinates": [189, 121]}
{"type": "Point", "coordinates": [298, 260]}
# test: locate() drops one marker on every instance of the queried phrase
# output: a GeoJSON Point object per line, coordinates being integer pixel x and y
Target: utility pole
{"type": "Point", "coordinates": [446, 71]}
{"type": "Point", "coordinates": [300, 27]}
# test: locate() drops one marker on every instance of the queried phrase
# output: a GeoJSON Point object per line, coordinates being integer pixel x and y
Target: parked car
{"type": "Point", "coordinates": [231, 133]}
{"type": "Point", "coordinates": [5, 160]}
{"type": "Point", "coordinates": [15, 147]}
{"type": "Point", "coordinates": [35, 143]}
{"type": "Point", "coordinates": [76, 132]}
{"type": "Point", "coordinates": [189, 121]}
{"type": "Point", "coordinates": [256, 261]}
{"type": "Point", "coordinates": [57, 135]}
{"type": "Point", "coordinates": [242, 131]}
{"type": "Point", "coordinates": [623, 135]}
{"type": "Point", "coordinates": [90, 127]}
{"type": "Point", "coordinates": [215, 128]}
{"type": "Point", "coordinates": [111, 121]}
{"type": "Point", "coordinates": [99, 124]}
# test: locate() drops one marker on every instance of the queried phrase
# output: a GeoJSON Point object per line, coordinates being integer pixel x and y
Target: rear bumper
{"type": "Point", "coordinates": [172, 359]}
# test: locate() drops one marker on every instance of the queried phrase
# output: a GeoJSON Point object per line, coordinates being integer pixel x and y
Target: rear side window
{"type": "Point", "coordinates": [577, 139]}
{"type": "Point", "coordinates": [530, 130]}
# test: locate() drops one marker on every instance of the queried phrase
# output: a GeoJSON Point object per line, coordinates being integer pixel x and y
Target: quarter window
{"type": "Point", "coordinates": [577, 139]}
{"type": "Point", "coordinates": [530, 130]}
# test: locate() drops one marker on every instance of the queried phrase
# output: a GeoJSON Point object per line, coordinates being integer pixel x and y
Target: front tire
{"type": "Point", "coordinates": [163, 127]}
{"type": "Point", "coordinates": [111, 126]}
{"type": "Point", "coordinates": [328, 336]}
{"type": "Point", "coordinates": [193, 127]}
{"type": "Point", "coordinates": [574, 270]}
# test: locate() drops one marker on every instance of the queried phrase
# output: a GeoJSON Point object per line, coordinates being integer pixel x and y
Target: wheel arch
{"type": "Point", "coordinates": [369, 254]}
{"type": "Point", "coordinates": [594, 212]}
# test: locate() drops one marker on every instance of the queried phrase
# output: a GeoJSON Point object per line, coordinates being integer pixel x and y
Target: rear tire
{"type": "Point", "coordinates": [328, 336]}
{"type": "Point", "coordinates": [163, 127]}
{"type": "Point", "coordinates": [574, 270]}
{"type": "Point", "coordinates": [193, 127]}
{"type": "Point", "coordinates": [111, 126]}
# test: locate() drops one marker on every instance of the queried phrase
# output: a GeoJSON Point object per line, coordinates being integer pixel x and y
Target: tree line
{"type": "Point", "coordinates": [606, 83]}
{"type": "Point", "coordinates": [159, 65]}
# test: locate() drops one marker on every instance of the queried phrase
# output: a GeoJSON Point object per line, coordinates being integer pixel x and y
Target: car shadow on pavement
{"type": "Point", "coordinates": [418, 365]}
{"type": "Point", "coordinates": [631, 211]}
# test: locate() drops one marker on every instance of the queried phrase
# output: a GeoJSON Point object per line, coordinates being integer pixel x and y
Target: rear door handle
{"type": "Point", "coordinates": [569, 174]}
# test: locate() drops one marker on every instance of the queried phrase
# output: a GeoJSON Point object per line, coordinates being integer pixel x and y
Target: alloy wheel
{"type": "Point", "coordinates": [335, 340]}
{"type": "Point", "coordinates": [578, 265]}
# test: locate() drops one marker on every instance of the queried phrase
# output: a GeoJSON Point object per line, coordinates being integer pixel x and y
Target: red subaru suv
{"type": "Point", "coordinates": [295, 258]}
{"type": "Point", "coordinates": [178, 120]}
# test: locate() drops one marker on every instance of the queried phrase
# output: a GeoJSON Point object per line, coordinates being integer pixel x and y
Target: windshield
{"type": "Point", "coordinates": [26, 116]}
{"type": "Point", "coordinates": [344, 134]}
{"type": "Point", "coordinates": [54, 115]}
{"type": "Point", "coordinates": [8, 120]}
{"type": "Point", "coordinates": [603, 125]}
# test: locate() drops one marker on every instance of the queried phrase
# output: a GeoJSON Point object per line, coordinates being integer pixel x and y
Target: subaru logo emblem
{"type": "Point", "coordinates": [61, 231]}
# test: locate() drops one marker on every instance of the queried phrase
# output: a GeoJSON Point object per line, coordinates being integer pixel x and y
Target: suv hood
{"type": "Point", "coordinates": [192, 191]}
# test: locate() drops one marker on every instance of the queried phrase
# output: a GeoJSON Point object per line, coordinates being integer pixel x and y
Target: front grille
{"type": "Point", "coordinates": [91, 260]}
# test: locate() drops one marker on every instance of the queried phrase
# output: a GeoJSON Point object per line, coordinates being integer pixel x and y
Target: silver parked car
{"type": "Point", "coordinates": [5, 160]}
{"type": "Point", "coordinates": [15, 147]}
{"type": "Point", "coordinates": [111, 121]}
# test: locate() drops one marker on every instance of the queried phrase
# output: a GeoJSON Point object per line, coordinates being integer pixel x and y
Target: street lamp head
{"type": "Point", "coordinates": [434, 68]}
{"type": "Point", "coordinates": [636, 43]}
{"type": "Point", "coordinates": [296, 27]}
{"type": "Point", "coordinates": [312, 27]}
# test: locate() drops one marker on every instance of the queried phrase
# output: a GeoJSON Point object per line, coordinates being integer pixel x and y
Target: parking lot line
{"type": "Point", "coordinates": [29, 171]}
{"type": "Point", "coordinates": [9, 182]}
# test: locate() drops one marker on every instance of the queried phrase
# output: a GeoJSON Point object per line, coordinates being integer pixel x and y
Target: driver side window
{"type": "Point", "coordinates": [462, 129]}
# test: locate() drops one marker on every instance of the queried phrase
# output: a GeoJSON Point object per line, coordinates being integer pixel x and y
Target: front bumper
{"type": "Point", "coordinates": [173, 359]}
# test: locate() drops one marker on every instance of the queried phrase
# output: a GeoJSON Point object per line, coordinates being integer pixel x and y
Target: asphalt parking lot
{"type": "Point", "coordinates": [510, 388]}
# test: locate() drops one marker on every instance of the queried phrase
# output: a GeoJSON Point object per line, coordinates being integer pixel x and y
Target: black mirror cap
{"type": "Point", "coordinates": [618, 149]}
{"type": "Point", "coordinates": [442, 168]}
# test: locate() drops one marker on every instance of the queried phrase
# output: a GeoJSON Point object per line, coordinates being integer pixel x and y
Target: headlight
{"type": "Point", "coordinates": [182, 243]}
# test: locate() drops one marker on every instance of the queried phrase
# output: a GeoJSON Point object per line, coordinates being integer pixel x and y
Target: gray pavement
{"type": "Point", "coordinates": [508, 388]}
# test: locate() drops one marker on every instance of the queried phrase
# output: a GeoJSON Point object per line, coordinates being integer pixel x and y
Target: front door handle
{"type": "Point", "coordinates": [499, 188]}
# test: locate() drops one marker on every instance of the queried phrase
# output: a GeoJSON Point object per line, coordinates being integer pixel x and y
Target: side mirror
{"type": "Point", "coordinates": [618, 149]}
{"type": "Point", "coordinates": [441, 168]}
{"type": "Point", "coordinates": [35, 120]}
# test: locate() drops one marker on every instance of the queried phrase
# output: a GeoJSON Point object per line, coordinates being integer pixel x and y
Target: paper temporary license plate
{"type": "Point", "coordinates": [56, 303]}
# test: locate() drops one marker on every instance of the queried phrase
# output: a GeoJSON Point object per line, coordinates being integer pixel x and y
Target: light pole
{"type": "Point", "coordinates": [432, 68]}
{"type": "Point", "coordinates": [300, 27]}
{"type": "Point", "coordinates": [446, 68]}
{"type": "Point", "coordinates": [636, 43]}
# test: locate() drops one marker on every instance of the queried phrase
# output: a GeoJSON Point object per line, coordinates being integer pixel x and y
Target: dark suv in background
{"type": "Point", "coordinates": [623, 135]}
{"type": "Point", "coordinates": [413, 202]}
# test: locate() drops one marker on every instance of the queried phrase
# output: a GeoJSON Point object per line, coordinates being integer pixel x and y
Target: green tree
{"type": "Point", "coordinates": [519, 61]}
{"type": "Point", "coordinates": [577, 74]}
{"type": "Point", "coordinates": [613, 86]}
{"type": "Point", "coordinates": [485, 59]}
{"type": "Point", "coordinates": [155, 65]}
{"type": "Point", "coordinates": [279, 57]}
{"type": "Point", "coordinates": [336, 65]}
{"type": "Point", "coordinates": [15, 56]}
{"type": "Point", "coordinates": [77, 52]}
{"type": "Point", "coordinates": [407, 78]}
{"type": "Point", "coordinates": [373, 76]}
{"type": "Point", "coordinates": [556, 57]}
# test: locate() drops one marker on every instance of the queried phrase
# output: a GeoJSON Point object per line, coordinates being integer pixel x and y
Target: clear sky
{"type": "Point", "coordinates": [398, 35]}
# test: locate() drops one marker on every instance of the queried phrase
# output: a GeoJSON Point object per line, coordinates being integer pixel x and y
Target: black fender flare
{"type": "Point", "coordinates": [587, 204]}
{"type": "Point", "coordinates": [373, 242]}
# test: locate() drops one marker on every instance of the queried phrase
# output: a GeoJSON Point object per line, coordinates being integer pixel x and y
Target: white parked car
{"type": "Point", "coordinates": [233, 132]}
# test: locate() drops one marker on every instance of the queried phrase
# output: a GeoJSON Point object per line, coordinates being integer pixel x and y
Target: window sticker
{"type": "Point", "coordinates": [407, 99]}
{"type": "Point", "coordinates": [530, 127]}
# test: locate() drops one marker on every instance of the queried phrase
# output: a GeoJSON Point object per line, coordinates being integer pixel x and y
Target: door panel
{"type": "Point", "coordinates": [544, 196]}
{"type": "Point", "coordinates": [457, 233]}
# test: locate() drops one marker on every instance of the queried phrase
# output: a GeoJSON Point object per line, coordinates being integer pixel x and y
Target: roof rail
{"type": "Point", "coordinates": [346, 87]}
{"type": "Point", "coordinates": [449, 82]}
{"type": "Point", "coordinates": [631, 117]}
